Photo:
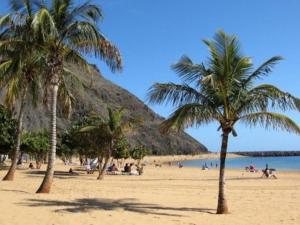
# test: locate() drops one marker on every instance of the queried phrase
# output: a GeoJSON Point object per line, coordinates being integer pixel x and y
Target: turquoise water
{"type": "Point", "coordinates": [279, 163]}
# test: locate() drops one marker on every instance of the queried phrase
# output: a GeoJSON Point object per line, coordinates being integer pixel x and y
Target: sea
{"type": "Point", "coordinates": [279, 163]}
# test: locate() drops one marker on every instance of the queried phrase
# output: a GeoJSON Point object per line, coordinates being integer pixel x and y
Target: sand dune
{"type": "Point", "coordinates": [166, 195]}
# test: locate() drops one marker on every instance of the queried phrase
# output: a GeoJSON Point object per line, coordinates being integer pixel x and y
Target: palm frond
{"type": "Point", "coordinates": [188, 71]}
{"type": "Point", "coordinates": [264, 69]}
{"type": "Point", "coordinates": [176, 94]}
{"type": "Point", "coordinates": [86, 11]}
{"type": "Point", "coordinates": [44, 24]}
{"type": "Point", "coordinates": [114, 118]}
{"type": "Point", "coordinates": [72, 80]}
{"type": "Point", "coordinates": [65, 96]}
{"type": "Point", "coordinates": [88, 129]}
{"type": "Point", "coordinates": [5, 21]}
{"type": "Point", "coordinates": [13, 91]}
{"type": "Point", "coordinates": [85, 38]}
{"type": "Point", "coordinates": [277, 98]}
{"type": "Point", "coordinates": [110, 54]}
{"type": "Point", "coordinates": [5, 71]}
{"type": "Point", "coordinates": [16, 5]}
{"type": "Point", "coordinates": [73, 57]}
{"type": "Point", "coordinates": [187, 116]}
{"type": "Point", "coordinates": [270, 120]}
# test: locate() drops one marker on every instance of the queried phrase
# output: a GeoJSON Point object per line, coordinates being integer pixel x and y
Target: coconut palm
{"type": "Point", "coordinates": [222, 90]}
{"type": "Point", "coordinates": [21, 64]}
{"type": "Point", "coordinates": [69, 31]}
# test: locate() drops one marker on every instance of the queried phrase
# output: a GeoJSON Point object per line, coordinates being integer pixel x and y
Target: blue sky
{"type": "Point", "coordinates": [153, 34]}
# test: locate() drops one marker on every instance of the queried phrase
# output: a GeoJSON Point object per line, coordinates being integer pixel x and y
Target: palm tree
{"type": "Point", "coordinates": [69, 32]}
{"type": "Point", "coordinates": [101, 136]}
{"type": "Point", "coordinates": [222, 90]}
{"type": "Point", "coordinates": [21, 64]}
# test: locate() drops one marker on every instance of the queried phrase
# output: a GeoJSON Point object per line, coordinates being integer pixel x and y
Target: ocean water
{"type": "Point", "coordinates": [279, 163]}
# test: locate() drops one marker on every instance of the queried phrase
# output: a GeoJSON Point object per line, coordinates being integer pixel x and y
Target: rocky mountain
{"type": "Point", "coordinates": [100, 93]}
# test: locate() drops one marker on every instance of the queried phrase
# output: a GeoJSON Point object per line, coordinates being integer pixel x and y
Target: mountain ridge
{"type": "Point", "coordinates": [102, 93]}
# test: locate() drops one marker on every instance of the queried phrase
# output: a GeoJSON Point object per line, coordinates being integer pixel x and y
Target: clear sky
{"type": "Point", "coordinates": [153, 34]}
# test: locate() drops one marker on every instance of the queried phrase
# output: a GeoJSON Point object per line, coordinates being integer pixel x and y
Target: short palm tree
{"type": "Point", "coordinates": [102, 135]}
{"type": "Point", "coordinates": [21, 64]}
{"type": "Point", "coordinates": [223, 90]}
{"type": "Point", "coordinates": [68, 32]}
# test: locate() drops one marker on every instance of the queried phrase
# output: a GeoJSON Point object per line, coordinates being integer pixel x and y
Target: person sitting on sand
{"type": "Point", "coordinates": [71, 172]}
{"type": "Point", "coordinates": [126, 168]}
{"type": "Point", "coordinates": [31, 166]}
{"type": "Point", "coordinates": [20, 162]}
{"type": "Point", "coordinates": [133, 171]}
{"type": "Point", "coordinates": [88, 168]}
{"type": "Point", "coordinates": [252, 169]}
{"type": "Point", "coordinates": [113, 168]}
{"type": "Point", "coordinates": [130, 167]}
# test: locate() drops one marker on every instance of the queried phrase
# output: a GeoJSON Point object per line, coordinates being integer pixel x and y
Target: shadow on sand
{"type": "Point", "coordinates": [16, 191]}
{"type": "Point", "coordinates": [200, 179]}
{"type": "Point", "coordinates": [57, 174]}
{"type": "Point", "coordinates": [129, 204]}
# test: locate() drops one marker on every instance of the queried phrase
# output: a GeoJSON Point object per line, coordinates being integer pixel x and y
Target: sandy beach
{"type": "Point", "coordinates": [166, 195]}
{"type": "Point", "coordinates": [178, 158]}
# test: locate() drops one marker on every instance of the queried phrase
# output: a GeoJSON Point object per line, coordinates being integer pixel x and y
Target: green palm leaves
{"type": "Point", "coordinates": [108, 130]}
{"type": "Point", "coordinates": [64, 26]}
{"type": "Point", "coordinates": [221, 89]}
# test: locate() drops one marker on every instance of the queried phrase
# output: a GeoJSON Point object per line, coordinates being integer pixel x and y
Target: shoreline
{"type": "Point", "coordinates": [173, 160]}
{"type": "Point", "coordinates": [151, 160]}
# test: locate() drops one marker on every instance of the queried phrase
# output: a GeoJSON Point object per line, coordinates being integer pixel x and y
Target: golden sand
{"type": "Point", "coordinates": [161, 196]}
{"type": "Point", "coordinates": [177, 158]}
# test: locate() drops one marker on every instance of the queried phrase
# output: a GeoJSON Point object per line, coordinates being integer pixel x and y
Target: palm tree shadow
{"type": "Point", "coordinates": [57, 174]}
{"type": "Point", "coordinates": [129, 204]}
{"type": "Point", "coordinates": [16, 191]}
{"type": "Point", "coordinates": [233, 178]}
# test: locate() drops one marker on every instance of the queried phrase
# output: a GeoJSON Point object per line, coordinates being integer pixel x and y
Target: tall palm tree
{"type": "Point", "coordinates": [21, 64]}
{"type": "Point", "coordinates": [222, 90]}
{"type": "Point", "coordinates": [69, 32]}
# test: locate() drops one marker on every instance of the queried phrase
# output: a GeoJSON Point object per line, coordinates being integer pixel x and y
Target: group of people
{"type": "Point", "coordinates": [205, 166]}
{"type": "Point", "coordinates": [127, 169]}
{"type": "Point", "coordinates": [251, 168]}
{"type": "Point", "coordinates": [267, 172]}
{"type": "Point", "coordinates": [114, 169]}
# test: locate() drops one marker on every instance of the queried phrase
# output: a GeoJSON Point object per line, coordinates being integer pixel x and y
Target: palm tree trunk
{"type": "Point", "coordinates": [103, 168]}
{"type": "Point", "coordinates": [107, 157]}
{"type": "Point", "coordinates": [11, 172]}
{"type": "Point", "coordinates": [48, 179]}
{"type": "Point", "coordinates": [222, 202]}
{"type": "Point", "coordinates": [139, 162]}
